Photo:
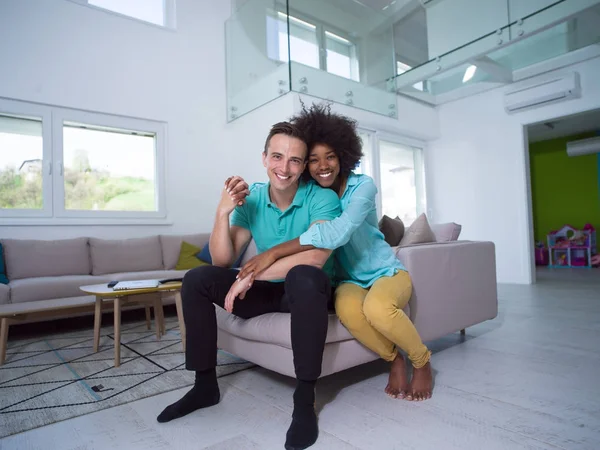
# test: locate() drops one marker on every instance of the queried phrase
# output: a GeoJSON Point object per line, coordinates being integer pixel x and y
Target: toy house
{"type": "Point", "coordinates": [570, 247]}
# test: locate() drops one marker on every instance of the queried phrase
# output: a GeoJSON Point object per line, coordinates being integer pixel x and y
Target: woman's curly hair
{"type": "Point", "coordinates": [320, 126]}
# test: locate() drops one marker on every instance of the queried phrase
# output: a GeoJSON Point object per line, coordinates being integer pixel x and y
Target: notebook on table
{"type": "Point", "coordinates": [137, 284]}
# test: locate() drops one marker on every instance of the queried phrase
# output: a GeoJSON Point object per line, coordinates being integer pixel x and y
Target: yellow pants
{"type": "Point", "coordinates": [375, 318]}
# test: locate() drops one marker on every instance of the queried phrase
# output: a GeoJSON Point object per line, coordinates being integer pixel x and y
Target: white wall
{"type": "Point", "coordinates": [477, 170]}
{"type": "Point", "coordinates": [61, 53]}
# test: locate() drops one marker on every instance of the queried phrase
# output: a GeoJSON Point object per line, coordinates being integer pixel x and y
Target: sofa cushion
{"type": "Point", "coordinates": [43, 288]}
{"type": "Point", "coordinates": [171, 245]}
{"type": "Point", "coordinates": [125, 255]}
{"type": "Point", "coordinates": [445, 232]}
{"type": "Point", "coordinates": [4, 294]}
{"type": "Point", "coordinates": [204, 255]}
{"type": "Point", "coordinates": [188, 258]}
{"type": "Point", "coordinates": [274, 328]}
{"type": "Point", "coordinates": [3, 278]}
{"type": "Point", "coordinates": [27, 258]}
{"type": "Point", "coordinates": [418, 232]}
{"type": "Point", "coordinates": [392, 229]}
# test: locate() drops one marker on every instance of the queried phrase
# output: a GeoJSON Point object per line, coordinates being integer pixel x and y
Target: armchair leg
{"type": "Point", "coordinates": [462, 332]}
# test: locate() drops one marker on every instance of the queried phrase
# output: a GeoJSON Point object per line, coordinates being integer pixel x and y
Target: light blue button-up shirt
{"type": "Point", "coordinates": [362, 255]}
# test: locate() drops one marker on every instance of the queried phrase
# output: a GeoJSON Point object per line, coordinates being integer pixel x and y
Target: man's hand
{"type": "Point", "coordinates": [238, 289]}
{"type": "Point", "coordinates": [257, 265]}
{"type": "Point", "coordinates": [234, 194]}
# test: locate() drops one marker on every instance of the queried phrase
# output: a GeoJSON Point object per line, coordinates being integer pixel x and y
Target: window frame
{"type": "Point", "coordinates": [18, 109]}
{"type": "Point", "coordinates": [53, 168]}
{"type": "Point", "coordinates": [169, 14]}
{"type": "Point", "coordinates": [375, 163]}
{"type": "Point", "coordinates": [321, 29]}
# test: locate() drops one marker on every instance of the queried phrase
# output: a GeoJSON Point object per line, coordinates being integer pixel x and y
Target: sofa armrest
{"type": "Point", "coordinates": [454, 285]}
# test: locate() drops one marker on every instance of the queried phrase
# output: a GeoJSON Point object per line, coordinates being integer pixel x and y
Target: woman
{"type": "Point", "coordinates": [373, 285]}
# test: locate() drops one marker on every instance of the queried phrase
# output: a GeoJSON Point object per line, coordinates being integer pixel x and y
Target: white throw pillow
{"type": "Point", "coordinates": [445, 232]}
{"type": "Point", "coordinates": [418, 233]}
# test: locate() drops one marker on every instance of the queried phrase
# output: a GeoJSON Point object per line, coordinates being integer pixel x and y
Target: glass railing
{"type": "Point", "coordinates": [362, 56]}
{"type": "Point", "coordinates": [352, 54]}
{"type": "Point", "coordinates": [255, 73]}
{"type": "Point", "coordinates": [336, 50]}
{"type": "Point", "coordinates": [445, 45]}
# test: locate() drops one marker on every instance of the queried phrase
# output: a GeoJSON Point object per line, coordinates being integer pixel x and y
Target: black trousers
{"type": "Point", "coordinates": [306, 294]}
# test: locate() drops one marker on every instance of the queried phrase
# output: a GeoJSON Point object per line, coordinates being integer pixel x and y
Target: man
{"type": "Point", "coordinates": [269, 213]}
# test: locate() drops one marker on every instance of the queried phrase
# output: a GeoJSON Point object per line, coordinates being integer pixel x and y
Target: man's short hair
{"type": "Point", "coordinates": [284, 128]}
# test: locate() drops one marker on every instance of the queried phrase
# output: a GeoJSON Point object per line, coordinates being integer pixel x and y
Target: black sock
{"type": "Point", "coordinates": [303, 431]}
{"type": "Point", "coordinates": [204, 393]}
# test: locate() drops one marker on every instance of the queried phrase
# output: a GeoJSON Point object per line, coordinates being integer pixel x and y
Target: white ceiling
{"type": "Point", "coordinates": [377, 4]}
{"type": "Point", "coordinates": [565, 126]}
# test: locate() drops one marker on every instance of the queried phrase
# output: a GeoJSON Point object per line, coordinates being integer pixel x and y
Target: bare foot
{"type": "Point", "coordinates": [397, 386]}
{"type": "Point", "coordinates": [421, 384]}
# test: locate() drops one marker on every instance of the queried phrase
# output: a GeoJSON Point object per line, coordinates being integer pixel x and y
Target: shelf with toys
{"type": "Point", "coordinates": [570, 247]}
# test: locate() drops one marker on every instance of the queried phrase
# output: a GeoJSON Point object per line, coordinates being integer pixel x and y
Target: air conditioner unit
{"type": "Point", "coordinates": [584, 146]}
{"type": "Point", "coordinates": [541, 91]}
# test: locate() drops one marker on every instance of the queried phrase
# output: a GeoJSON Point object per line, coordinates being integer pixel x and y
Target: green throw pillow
{"type": "Point", "coordinates": [187, 257]}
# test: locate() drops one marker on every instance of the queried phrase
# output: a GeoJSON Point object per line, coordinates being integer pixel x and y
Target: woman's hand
{"type": "Point", "coordinates": [234, 194]}
{"type": "Point", "coordinates": [238, 289]}
{"type": "Point", "coordinates": [257, 265]}
{"type": "Point", "coordinates": [237, 189]}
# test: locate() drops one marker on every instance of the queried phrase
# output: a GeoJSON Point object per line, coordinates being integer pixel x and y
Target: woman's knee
{"type": "Point", "coordinates": [378, 312]}
{"type": "Point", "coordinates": [350, 314]}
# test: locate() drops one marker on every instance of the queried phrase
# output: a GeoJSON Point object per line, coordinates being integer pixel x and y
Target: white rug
{"type": "Point", "coordinates": [57, 377]}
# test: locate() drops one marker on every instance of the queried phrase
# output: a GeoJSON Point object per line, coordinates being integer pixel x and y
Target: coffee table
{"type": "Point", "coordinates": [132, 297]}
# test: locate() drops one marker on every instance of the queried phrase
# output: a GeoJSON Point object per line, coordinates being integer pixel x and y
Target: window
{"type": "Point", "coordinates": [65, 163]}
{"type": "Point", "coordinates": [108, 170]}
{"type": "Point", "coordinates": [21, 163]}
{"type": "Point", "coordinates": [398, 172]}
{"type": "Point", "coordinates": [25, 185]}
{"type": "Point", "coordinates": [341, 56]}
{"type": "Point", "coordinates": [401, 173]}
{"type": "Point", "coordinates": [158, 12]}
{"type": "Point", "coordinates": [304, 47]}
{"type": "Point", "coordinates": [307, 42]}
{"type": "Point", "coordinates": [365, 167]}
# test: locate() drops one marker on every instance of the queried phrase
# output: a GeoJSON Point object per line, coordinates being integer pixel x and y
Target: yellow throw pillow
{"type": "Point", "coordinates": [187, 257]}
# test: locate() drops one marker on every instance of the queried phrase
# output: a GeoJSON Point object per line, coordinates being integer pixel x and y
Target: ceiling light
{"type": "Point", "coordinates": [469, 73]}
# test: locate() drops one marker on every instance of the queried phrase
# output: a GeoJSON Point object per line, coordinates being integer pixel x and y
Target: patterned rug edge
{"type": "Point", "coordinates": [108, 405]}
{"type": "Point", "coordinates": [37, 395]}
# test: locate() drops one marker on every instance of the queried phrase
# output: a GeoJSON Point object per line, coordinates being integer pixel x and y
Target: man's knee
{"type": "Point", "coordinates": [198, 279]}
{"type": "Point", "coordinates": [306, 278]}
{"type": "Point", "coordinates": [197, 275]}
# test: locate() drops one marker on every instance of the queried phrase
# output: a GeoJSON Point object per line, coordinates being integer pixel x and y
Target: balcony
{"type": "Point", "coordinates": [365, 54]}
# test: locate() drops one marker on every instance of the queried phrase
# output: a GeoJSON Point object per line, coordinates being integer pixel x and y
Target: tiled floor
{"type": "Point", "coordinates": [526, 380]}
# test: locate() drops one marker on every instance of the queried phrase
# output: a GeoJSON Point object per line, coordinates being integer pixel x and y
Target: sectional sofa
{"type": "Point", "coordinates": [454, 287]}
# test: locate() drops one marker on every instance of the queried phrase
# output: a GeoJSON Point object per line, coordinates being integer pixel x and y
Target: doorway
{"type": "Point", "coordinates": [564, 195]}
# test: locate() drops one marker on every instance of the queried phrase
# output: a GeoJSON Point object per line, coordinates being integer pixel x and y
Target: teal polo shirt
{"type": "Point", "coordinates": [270, 226]}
